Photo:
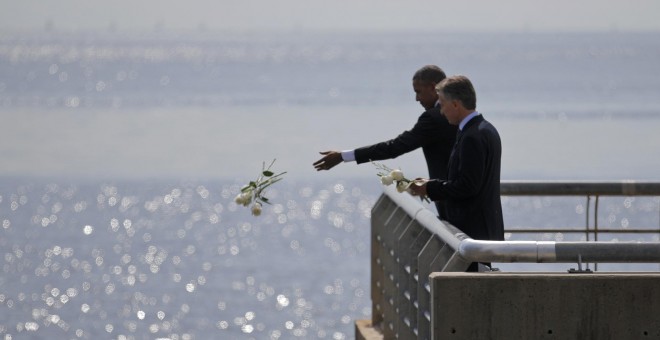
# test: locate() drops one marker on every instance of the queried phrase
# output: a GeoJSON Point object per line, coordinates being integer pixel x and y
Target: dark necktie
{"type": "Point", "coordinates": [452, 157]}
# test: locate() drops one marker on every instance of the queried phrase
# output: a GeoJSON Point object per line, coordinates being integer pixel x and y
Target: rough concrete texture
{"type": "Point", "coordinates": [545, 306]}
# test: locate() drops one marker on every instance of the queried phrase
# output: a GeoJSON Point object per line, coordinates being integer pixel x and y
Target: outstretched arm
{"type": "Point", "coordinates": [431, 127]}
{"type": "Point", "coordinates": [328, 161]}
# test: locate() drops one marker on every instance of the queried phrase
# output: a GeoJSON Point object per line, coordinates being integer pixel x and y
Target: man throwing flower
{"type": "Point", "coordinates": [432, 133]}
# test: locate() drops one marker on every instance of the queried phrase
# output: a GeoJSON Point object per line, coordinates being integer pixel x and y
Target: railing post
{"type": "Point", "coordinates": [596, 226]}
{"type": "Point", "coordinates": [587, 215]}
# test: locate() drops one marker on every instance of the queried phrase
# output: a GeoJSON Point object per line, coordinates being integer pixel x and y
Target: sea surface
{"type": "Point", "coordinates": [122, 154]}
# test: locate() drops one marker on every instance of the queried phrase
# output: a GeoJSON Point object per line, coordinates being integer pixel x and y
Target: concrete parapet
{"type": "Point", "coordinates": [498, 305]}
{"type": "Point", "coordinates": [364, 330]}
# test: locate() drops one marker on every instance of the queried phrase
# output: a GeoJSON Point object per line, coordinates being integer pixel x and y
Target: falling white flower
{"type": "Point", "coordinates": [256, 209]}
{"type": "Point", "coordinates": [243, 198]}
{"type": "Point", "coordinates": [254, 191]}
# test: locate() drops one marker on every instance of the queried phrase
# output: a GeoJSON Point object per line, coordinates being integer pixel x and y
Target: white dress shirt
{"type": "Point", "coordinates": [467, 119]}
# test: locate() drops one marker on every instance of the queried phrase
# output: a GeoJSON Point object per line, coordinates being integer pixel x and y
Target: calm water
{"type": "Point", "coordinates": [181, 260]}
{"type": "Point", "coordinates": [122, 155]}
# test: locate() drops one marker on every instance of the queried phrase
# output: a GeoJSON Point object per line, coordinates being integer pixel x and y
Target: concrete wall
{"type": "Point", "coordinates": [365, 330]}
{"type": "Point", "coordinates": [545, 306]}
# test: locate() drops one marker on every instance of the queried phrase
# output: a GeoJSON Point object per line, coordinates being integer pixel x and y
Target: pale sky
{"type": "Point", "coordinates": [379, 15]}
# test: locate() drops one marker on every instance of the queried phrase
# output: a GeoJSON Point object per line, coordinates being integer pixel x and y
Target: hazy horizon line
{"type": "Point", "coordinates": [5, 31]}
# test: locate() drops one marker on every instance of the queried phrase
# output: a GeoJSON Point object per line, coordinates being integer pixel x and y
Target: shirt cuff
{"type": "Point", "coordinates": [348, 155]}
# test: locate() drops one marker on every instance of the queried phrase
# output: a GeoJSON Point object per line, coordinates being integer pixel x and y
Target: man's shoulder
{"type": "Point", "coordinates": [481, 129]}
{"type": "Point", "coordinates": [433, 111]}
{"type": "Point", "coordinates": [488, 125]}
{"type": "Point", "coordinates": [434, 116]}
{"type": "Point", "coordinates": [479, 122]}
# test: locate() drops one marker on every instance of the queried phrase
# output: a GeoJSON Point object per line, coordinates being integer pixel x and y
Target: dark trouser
{"type": "Point", "coordinates": [441, 206]}
{"type": "Point", "coordinates": [474, 267]}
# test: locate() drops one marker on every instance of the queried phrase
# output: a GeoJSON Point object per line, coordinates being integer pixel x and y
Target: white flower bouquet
{"type": "Point", "coordinates": [253, 192]}
{"type": "Point", "coordinates": [389, 176]}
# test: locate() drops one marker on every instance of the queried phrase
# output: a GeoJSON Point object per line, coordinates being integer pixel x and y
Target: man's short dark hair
{"type": "Point", "coordinates": [459, 88]}
{"type": "Point", "coordinates": [429, 74]}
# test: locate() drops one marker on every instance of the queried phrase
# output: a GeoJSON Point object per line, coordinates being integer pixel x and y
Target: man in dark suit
{"type": "Point", "coordinates": [432, 133]}
{"type": "Point", "coordinates": [472, 187]}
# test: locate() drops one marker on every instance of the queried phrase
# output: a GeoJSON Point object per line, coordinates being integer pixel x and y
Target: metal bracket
{"type": "Point", "coordinates": [579, 270]}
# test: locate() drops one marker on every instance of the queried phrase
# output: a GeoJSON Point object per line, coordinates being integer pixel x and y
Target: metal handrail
{"type": "Point", "coordinates": [541, 251]}
{"type": "Point", "coordinates": [580, 188]}
{"type": "Point", "coordinates": [589, 189]}
{"type": "Point", "coordinates": [559, 252]}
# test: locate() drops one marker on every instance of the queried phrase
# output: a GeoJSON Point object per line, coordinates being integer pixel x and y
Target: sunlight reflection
{"type": "Point", "coordinates": [141, 254]}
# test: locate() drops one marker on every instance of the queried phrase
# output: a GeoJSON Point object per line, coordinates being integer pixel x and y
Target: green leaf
{"type": "Point", "coordinates": [253, 184]}
{"type": "Point", "coordinates": [268, 173]}
{"type": "Point", "coordinates": [270, 182]}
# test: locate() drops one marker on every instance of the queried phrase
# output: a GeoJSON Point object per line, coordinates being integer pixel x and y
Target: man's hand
{"type": "Point", "coordinates": [329, 160]}
{"type": "Point", "coordinates": [418, 187]}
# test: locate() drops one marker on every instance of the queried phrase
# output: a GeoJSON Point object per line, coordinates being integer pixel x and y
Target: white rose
{"type": "Point", "coordinates": [386, 180]}
{"type": "Point", "coordinates": [243, 198]}
{"type": "Point", "coordinates": [397, 174]}
{"type": "Point", "coordinates": [248, 198]}
{"type": "Point", "coordinates": [256, 209]}
{"type": "Point", "coordinates": [402, 186]}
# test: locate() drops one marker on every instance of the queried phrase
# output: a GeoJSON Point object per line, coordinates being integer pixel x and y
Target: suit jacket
{"type": "Point", "coordinates": [432, 133]}
{"type": "Point", "coordinates": [472, 188]}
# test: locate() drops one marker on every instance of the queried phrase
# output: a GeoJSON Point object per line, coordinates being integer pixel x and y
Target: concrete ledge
{"type": "Point", "coordinates": [545, 305]}
{"type": "Point", "coordinates": [364, 330]}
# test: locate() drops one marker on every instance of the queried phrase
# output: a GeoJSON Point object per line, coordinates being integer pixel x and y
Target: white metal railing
{"type": "Point", "coordinates": [409, 242]}
{"type": "Point", "coordinates": [592, 191]}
